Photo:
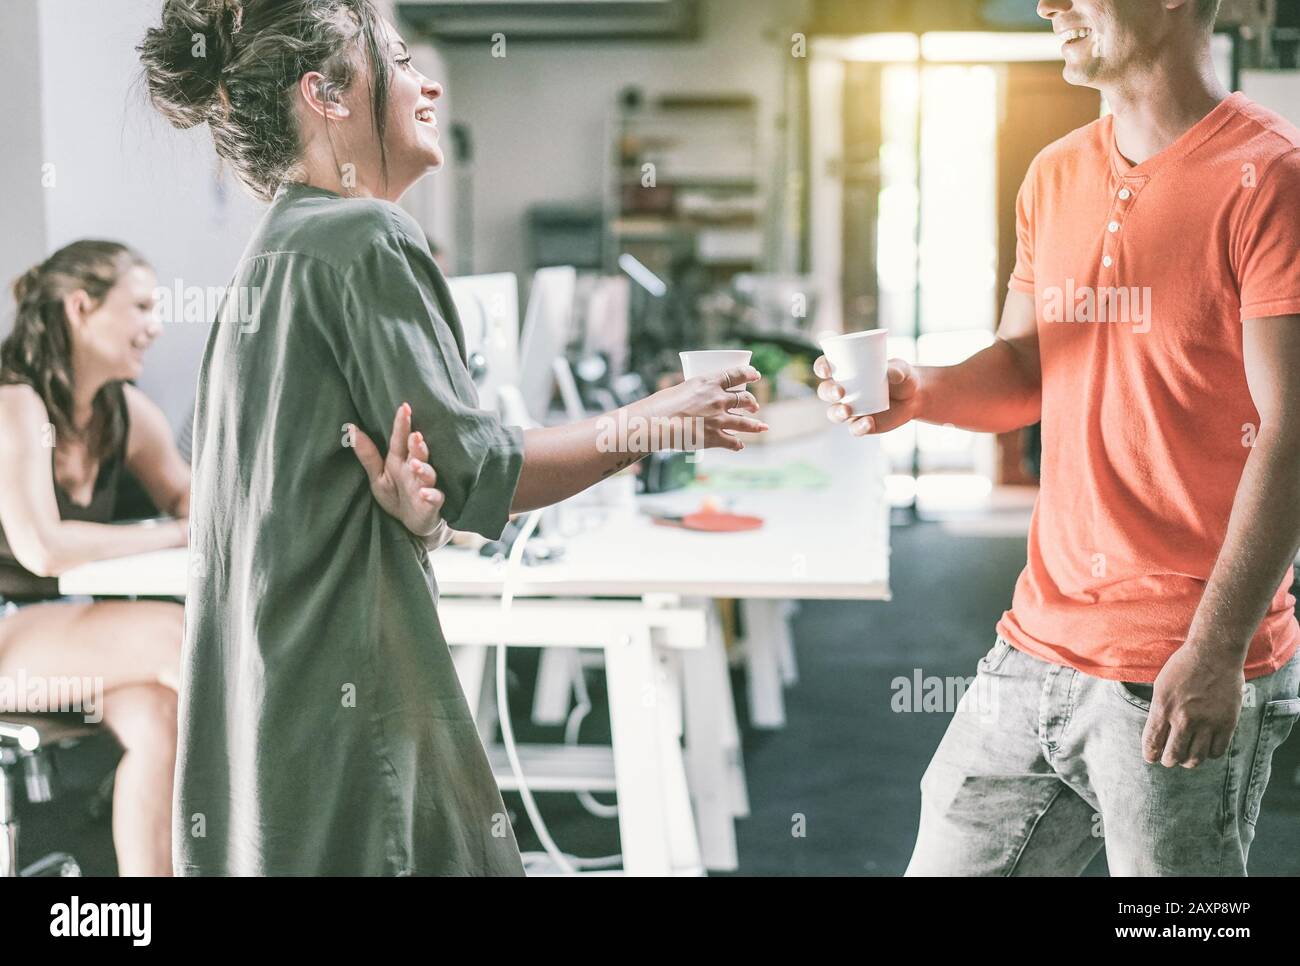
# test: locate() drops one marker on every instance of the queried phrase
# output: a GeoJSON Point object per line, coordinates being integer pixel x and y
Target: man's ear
{"type": "Point", "coordinates": [322, 97]}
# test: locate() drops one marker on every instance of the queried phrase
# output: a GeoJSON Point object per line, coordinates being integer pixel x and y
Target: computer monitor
{"type": "Point", "coordinates": [488, 306]}
{"type": "Point", "coordinates": [547, 325]}
{"type": "Point", "coordinates": [607, 328]}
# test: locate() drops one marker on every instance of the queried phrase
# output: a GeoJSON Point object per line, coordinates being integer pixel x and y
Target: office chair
{"type": "Point", "coordinates": [25, 743]}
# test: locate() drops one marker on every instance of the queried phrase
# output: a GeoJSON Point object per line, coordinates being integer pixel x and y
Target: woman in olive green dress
{"type": "Point", "coordinates": [322, 726]}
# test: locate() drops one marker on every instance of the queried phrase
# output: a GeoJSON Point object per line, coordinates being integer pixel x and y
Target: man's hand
{"type": "Point", "coordinates": [904, 399]}
{"type": "Point", "coordinates": [402, 480]}
{"type": "Point", "coordinates": [1194, 708]}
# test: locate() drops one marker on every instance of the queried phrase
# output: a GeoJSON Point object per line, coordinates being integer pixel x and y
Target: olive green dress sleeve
{"type": "Point", "coordinates": [399, 341]}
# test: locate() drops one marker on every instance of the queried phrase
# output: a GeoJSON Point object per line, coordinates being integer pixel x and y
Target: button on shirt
{"type": "Point", "coordinates": [1142, 277]}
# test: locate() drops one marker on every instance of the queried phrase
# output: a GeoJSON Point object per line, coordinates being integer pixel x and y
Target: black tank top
{"type": "Point", "coordinates": [19, 583]}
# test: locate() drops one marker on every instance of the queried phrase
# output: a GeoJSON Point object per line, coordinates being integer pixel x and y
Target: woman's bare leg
{"type": "Point", "coordinates": [131, 650]}
{"type": "Point", "coordinates": [117, 642]}
{"type": "Point", "coordinates": [143, 717]}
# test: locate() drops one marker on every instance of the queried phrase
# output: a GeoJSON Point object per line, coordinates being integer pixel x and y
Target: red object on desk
{"type": "Point", "coordinates": [721, 522]}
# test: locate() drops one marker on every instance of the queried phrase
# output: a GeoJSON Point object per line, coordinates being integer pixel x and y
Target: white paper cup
{"type": "Point", "coordinates": [701, 363]}
{"type": "Point", "coordinates": [859, 362]}
{"type": "Point", "coordinates": [705, 361]}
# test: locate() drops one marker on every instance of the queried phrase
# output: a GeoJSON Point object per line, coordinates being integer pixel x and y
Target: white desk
{"type": "Point", "coordinates": [830, 542]}
{"type": "Point", "coordinates": [825, 543]}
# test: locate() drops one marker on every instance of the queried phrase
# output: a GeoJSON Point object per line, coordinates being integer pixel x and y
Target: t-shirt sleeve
{"type": "Point", "coordinates": [395, 344]}
{"type": "Point", "coordinates": [1268, 247]}
{"type": "Point", "coordinates": [1022, 276]}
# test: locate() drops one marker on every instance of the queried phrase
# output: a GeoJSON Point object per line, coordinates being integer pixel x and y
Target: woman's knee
{"type": "Point", "coordinates": [156, 631]}
{"type": "Point", "coordinates": [143, 718]}
{"type": "Point", "coordinates": [162, 620]}
{"type": "Point", "coordinates": [172, 633]}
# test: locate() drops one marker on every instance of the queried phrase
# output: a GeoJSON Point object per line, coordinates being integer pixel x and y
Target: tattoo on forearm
{"type": "Point", "coordinates": [623, 463]}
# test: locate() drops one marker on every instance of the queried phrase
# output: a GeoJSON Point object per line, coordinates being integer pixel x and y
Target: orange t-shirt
{"type": "Point", "coordinates": [1142, 277]}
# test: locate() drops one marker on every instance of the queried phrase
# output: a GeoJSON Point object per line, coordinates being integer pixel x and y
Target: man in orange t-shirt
{"type": "Point", "coordinates": [1153, 327]}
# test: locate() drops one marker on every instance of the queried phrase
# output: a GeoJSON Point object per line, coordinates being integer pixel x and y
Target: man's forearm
{"type": "Point", "coordinates": [994, 391]}
{"type": "Point", "coordinates": [1262, 539]}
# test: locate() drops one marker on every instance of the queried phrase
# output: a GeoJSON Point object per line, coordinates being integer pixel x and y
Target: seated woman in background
{"type": "Point", "coordinates": [70, 427]}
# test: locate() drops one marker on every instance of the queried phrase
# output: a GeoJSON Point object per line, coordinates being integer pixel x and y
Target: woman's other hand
{"type": "Point", "coordinates": [719, 409]}
{"type": "Point", "coordinates": [402, 481]}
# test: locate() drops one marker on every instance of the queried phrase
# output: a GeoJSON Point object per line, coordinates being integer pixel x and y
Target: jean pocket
{"type": "Point", "coordinates": [1278, 719]}
{"type": "Point", "coordinates": [991, 661]}
{"type": "Point", "coordinates": [1136, 693]}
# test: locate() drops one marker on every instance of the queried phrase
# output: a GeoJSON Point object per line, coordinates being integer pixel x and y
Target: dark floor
{"type": "Point", "coordinates": [846, 761]}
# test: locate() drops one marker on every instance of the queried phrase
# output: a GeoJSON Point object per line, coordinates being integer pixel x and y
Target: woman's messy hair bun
{"type": "Point", "coordinates": [235, 64]}
{"type": "Point", "coordinates": [185, 55]}
{"type": "Point", "coordinates": [27, 283]}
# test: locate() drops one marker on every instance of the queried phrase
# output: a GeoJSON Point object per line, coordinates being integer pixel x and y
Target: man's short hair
{"type": "Point", "coordinates": [1207, 11]}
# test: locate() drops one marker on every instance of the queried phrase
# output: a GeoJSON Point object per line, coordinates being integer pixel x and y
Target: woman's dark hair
{"type": "Point", "coordinates": [38, 352]}
{"type": "Point", "coordinates": [236, 65]}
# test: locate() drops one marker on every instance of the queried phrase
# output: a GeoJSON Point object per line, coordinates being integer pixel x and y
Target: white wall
{"type": "Point", "coordinates": [537, 116]}
{"type": "Point", "coordinates": [22, 202]}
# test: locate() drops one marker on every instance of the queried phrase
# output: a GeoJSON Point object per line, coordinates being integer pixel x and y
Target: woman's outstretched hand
{"type": "Point", "coordinates": [719, 409]}
{"type": "Point", "coordinates": [402, 481]}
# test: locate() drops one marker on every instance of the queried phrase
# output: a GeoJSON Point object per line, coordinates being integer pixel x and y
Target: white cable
{"type": "Point", "coordinates": [513, 563]}
{"type": "Point", "coordinates": [568, 864]}
{"type": "Point", "coordinates": [580, 711]}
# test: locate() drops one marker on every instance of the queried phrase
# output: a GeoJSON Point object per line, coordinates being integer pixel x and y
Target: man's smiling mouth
{"type": "Point", "coordinates": [1075, 35]}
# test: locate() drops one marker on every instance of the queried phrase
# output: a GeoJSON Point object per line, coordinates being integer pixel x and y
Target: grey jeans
{"type": "Point", "coordinates": [1042, 765]}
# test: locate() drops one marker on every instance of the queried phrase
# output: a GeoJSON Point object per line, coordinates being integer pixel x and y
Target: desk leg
{"type": "Point", "coordinates": [643, 815]}
{"type": "Point", "coordinates": [710, 763]}
{"type": "Point", "coordinates": [785, 643]}
{"type": "Point", "coordinates": [556, 669]}
{"type": "Point", "coordinates": [470, 661]}
{"type": "Point", "coordinates": [738, 790]}
{"type": "Point", "coordinates": [683, 833]}
{"type": "Point", "coordinates": [763, 663]}
{"type": "Point", "coordinates": [487, 720]}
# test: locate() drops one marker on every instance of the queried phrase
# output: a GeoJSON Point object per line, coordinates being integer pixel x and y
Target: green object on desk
{"type": "Point", "coordinates": [790, 476]}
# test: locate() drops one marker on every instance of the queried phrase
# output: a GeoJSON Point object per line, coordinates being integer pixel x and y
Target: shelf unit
{"type": "Point", "coordinates": [685, 178]}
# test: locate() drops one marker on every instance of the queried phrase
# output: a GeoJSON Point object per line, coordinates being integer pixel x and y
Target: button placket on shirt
{"type": "Point", "coordinates": [1121, 203]}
